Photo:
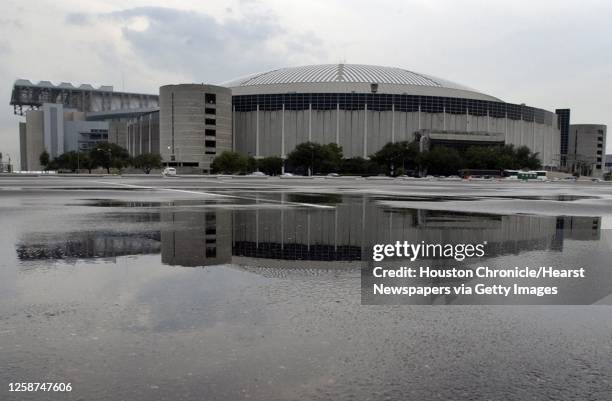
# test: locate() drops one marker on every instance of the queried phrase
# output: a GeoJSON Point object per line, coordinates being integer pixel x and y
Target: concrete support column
{"type": "Point", "coordinates": [488, 122]}
{"type": "Point", "coordinates": [393, 123]}
{"type": "Point", "coordinates": [365, 131]}
{"type": "Point", "coordinates": [150, 122]}
{"type": "Point", "coordinates": [283, 154]}
{"type": "Point", "coordinates": [310, 122]}
{"type": "Point", "coordinates": [338, 124]}
{"type": "Point", "coordinates": [506, 128]}
{"type": "Point", "coordinates": [257, 132]}
{"type": "Point", "coordinates": [444, 118]}
{"type": "Point", "coordinates": [419, 116]}
{"type": "Point", "coordinates": [233, 128]}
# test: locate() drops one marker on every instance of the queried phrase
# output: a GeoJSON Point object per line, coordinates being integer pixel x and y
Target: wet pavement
{"type": "Point", "coordinates": [145, 288]}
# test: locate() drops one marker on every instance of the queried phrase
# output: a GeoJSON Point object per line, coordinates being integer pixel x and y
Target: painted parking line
{"type": "Point", "coordinates": [214, 194]}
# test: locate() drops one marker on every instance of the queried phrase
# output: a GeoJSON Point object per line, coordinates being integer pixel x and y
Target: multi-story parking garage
{"type": "Point", "coordinates": [362, 107]}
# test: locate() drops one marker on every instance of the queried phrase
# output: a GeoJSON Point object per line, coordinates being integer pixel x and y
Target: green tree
{"type": "Point", "coordinates": [67, 161]}
{"type": "Point", "coordinates": [331, 158]}
{"type": "Point", "coordinates": [230, 162]}
{"type": "Point", "coordinates": [441, 160]}
{"type": "Point", "coordinates": [501, 157]}
{"type": "Point", "coordinates": [314, 158]}
{"type": "Point", "coordinates": [359, 166]}
{"type": "Point", "coordinates": [86, 162]}
{"type": "Point", "coordinates": [397, 154]}
{"type": "Point", "coordinates": [272, 165]}
{"type": "Point", "coordinates": [44, 159]}
{"type": "Point", "coordinates": [147, 162]}
{"type": "Point", "coordinates": [107, 155]}
{"type": "Point", "coordinates": [526, 159]}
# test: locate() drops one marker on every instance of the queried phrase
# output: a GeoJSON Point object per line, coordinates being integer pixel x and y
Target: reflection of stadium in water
{"type": "Point", "coordinates": [202, 236]}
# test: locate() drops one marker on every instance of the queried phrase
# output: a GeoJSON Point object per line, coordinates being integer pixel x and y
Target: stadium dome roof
{"type": "Point", "coordinates": [347, 78]}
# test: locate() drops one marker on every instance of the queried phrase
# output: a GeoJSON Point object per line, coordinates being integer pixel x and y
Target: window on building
{"type": "Point", "coordinates": [210, 121]}
{"type": "Point", "coordinates": [211, 252]}
{"type": "Point", "coordinates": [210, 147]}
{"type": "Point", "coordinates": [210, 98]}
{"type": "Point", "coordinates": [210, 110]}
{"type": "Point", "coordinates": [210, 132]}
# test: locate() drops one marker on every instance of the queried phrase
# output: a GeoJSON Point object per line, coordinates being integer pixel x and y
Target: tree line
{"type": "Point", "coordinates": [395, 158]}
{"type": "Point", "coordinates": [104, 155]}
{"type": "Point", "coordinates": [310, 158]}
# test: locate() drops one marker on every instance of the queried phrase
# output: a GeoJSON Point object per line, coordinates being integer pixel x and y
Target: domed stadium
{"type": "Point", "coordinates": [363, 107]}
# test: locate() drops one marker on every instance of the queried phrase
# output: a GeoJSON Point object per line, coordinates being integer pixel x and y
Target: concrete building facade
{"type": "Point", "coordinates": [363, 107]}
{"type": "Point", "coordinates": [563, 116]}
{"type": "Point", "coordinates": [195, 124]}
{"type": "Point", "coordinates": [143, 134]}
{"type": "Point", "coordinates": [57, 130]}
{"type": "Point", "coordinates": [586, 149]}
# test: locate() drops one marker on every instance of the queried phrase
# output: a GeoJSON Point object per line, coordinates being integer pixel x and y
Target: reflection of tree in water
{"type": "Point", "coordinates": [89, 245]}
{"type": "Point", "coordinates": [328, 199]}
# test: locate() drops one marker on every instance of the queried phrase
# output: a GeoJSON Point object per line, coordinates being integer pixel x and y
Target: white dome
{"type": "Point", "coordinates": [347, 78]}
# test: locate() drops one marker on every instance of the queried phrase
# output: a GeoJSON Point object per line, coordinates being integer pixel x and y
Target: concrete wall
{"type": "Point", "coordinates": [53, 127]}
{"type": "Point", "coordinates": [77, 134]}
{"type": "Point", "coordinates": [143, 134]}
{"type": "Point", "coordinates": [183, 123]}
{"type": "Point", "coordinates": [117, 133]}
{"type": "Point", "coordinates": [587, 145]}
{"type": "Point", "coordinates": [264, 133]}
{"type": "Point", "coordinates": [23, 154]}
{"type": "Point", "coordinates": [34, 139]}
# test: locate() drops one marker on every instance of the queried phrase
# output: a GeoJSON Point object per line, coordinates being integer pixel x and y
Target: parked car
{"type": "Point", "coordinates": [169, 171]}
{"type": "Point", "coordinates": [257, 174]}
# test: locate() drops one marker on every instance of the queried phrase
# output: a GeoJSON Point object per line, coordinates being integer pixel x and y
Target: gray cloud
{"type": "Point", "coordinates": [78, 19]}
{"type": "Point", "coordinates": [198, 45]}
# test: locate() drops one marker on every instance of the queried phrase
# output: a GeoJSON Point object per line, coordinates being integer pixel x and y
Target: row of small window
{"type": "Point", "coordinates": [385, 102]}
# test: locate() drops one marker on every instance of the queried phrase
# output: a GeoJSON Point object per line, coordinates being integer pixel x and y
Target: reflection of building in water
{"type": "Point", "coordinates": [193, 234]}
{"type": "Point", "coordinates": [579, 228]}
{"type": "Point", "coordinates": [347, 232]}
{"type": "Point", "coordinates": [195, 237]}
{"type": "Point", "coordinates": [89, 245]}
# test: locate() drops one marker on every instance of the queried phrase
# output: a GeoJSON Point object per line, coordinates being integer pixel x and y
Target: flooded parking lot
{"type": "Point", "coordinates": [193, 288]}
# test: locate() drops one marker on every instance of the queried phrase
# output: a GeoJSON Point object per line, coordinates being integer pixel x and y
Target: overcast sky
{"type": "Point", "coordinates": [547, 54]}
